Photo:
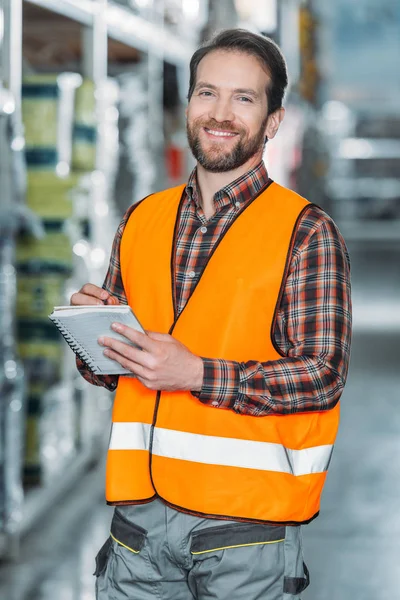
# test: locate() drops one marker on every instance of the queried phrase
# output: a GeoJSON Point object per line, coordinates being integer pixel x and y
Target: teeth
{"type": "Point", "coordinates": [221, 133]}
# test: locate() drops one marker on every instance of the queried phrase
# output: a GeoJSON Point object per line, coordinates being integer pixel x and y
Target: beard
{"type": "Point", "coordinates": [216, 160]}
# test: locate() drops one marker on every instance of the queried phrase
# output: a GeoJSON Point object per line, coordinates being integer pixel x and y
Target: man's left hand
{"type": "Point", "coordinates": [163, 363]}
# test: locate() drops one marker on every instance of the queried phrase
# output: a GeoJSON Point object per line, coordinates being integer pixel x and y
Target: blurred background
{"type": "Point", "coordinates": [92, 99]}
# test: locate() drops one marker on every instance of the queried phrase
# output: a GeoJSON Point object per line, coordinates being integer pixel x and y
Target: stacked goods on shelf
{"type": "Point", "coordinates": [72, 199]}
{"type": "Point", "coordinates": [12, 399]}
{"type": "Point", "coordinates": [57, 429]}
{"type": "Point", "coordinates": [310, 77]}
{"type": "Point", "coordinates": [44, 264]}
{"type": "Point", "coordinates": [95, 220]}
{"type": "Point", "coordinates": [11, 445]}
{"type": "Point", "coordinates": [137, 174]}
{"type": "Point", "coordinates": [11, 373]}
{"type": "Point", "coordinates": [85, 128]}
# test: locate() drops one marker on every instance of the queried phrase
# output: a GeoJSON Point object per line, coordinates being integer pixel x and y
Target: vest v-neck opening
{"type": "Point", "coordinates": [264, 189]}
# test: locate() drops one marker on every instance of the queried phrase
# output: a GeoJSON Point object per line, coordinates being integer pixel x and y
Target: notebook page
{"type": "Point", "coordinates": [87, 326]}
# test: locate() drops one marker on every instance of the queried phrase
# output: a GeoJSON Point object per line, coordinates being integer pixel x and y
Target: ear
{"type": "Point", "coordinates": [273, 123]}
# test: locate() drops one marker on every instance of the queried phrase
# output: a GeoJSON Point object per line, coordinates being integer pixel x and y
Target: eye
{"type": "Point", "coordinates": [245, 99]}
{"type": "Point", "coordinates": [205, 93]}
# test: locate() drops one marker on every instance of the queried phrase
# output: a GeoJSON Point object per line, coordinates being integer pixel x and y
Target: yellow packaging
{"type": "Point", "coordinates": [34, 411]}
{"type": "Point", "coordinates": [85, 128]}
{"type": "Point", "coordinates": [52, 253]}
{"type": "Point", "coordinates": [38, 294]}
{"type": "Point", "coordinates": [40, 97]}
{"type": "Point", "coordinates": [49, 196]}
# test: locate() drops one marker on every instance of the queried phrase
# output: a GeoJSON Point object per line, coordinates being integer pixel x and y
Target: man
{"type": "Point", "coordinates": [222, 437]}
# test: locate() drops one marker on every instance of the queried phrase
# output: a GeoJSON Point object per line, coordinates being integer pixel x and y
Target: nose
{"type": "Point", "coordinates": [221, 110]}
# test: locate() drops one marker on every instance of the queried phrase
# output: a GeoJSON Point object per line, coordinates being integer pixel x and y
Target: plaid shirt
{"type": "Point", "coordinates": [313, 325]}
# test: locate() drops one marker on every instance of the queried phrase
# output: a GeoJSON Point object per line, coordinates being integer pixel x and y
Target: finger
{"type": "Point", "coordinates": [134, 355]}
{"type": "Point", "coordinates": [137, 337]}
{"type": "Point", "coordinates": [135, 368]}
{"type": "Point", "coordinates": [112, 300]}
{"type": "Point", "coordinates": [94, 290]}
{"type": "Point", "coordinates": [159, 337]}
{"type": "Point", "coordinates": [79, 299]}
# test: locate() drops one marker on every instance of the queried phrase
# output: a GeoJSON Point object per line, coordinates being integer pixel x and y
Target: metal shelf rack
{"type": "Point", "coordinates": [101, 20]}
{"type": "Point", "coordinates": [124, 26]}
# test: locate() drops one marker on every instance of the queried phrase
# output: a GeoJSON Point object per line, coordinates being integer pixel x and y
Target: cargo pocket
{"type": "Point", "coordinates": [297, 577]}
{"type": "Point", "coordinates": [102, 557]}
{"type": "Point", "coordinates": [295, 585]}
{"type": "Point", "coordinates": [127, 534]}
{"type": "Point", "coordinates": [237, 535]}
{"type": "Point", "coordinates": [236, 561]}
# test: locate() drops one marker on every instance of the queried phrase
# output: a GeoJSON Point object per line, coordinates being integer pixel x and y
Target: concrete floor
{"type": "Point", "coordinates": [352, 550]}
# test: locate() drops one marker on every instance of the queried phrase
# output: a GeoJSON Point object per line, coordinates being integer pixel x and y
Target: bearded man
{"type": "Point", "coordinates": [222, 437]}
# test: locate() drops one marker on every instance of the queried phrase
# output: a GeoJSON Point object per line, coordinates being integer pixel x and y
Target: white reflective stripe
{"type": "Point", "coordinates": [213, 450]}
{"type": "Point", "coordinates": [232, 452]}
{"type": "Point", "coordinates": [130, 436]}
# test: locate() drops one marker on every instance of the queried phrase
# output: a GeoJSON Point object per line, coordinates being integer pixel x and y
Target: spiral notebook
{"type": "Point", "coordinates": [81, 327]}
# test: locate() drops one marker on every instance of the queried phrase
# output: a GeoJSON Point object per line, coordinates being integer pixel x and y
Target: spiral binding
{"type": "Point", "coordinates": [76, 348]}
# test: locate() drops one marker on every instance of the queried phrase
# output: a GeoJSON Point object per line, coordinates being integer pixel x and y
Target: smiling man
{"type": "Point", "coordinates": [222, 436]}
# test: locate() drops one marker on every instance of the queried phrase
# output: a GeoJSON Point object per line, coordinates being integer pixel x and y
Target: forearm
{"type": "Point", "coordinates": [280, 387]}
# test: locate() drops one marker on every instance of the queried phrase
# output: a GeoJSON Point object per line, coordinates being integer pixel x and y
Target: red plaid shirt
{"type": "Point", "coordinates": [313, 326]}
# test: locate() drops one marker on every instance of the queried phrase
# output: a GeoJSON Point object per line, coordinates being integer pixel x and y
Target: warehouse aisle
{"type": "Point", "coordinates": [352, 549]}
{"type": "Point", "coordinates": [57, 559]}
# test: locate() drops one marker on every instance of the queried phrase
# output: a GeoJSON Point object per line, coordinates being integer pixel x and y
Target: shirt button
{"type": "Point", "coordinates": [203, 229]}
{"type": "Point", "coordinates": [215, 403]}
{"type": "Point", "coordinates": [237, 204]}
{"type": "Point", "coordinates": [192, 274]}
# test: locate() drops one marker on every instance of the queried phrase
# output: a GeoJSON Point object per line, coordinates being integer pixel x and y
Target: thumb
{"type": "Point", "coordinates": [112, 300]}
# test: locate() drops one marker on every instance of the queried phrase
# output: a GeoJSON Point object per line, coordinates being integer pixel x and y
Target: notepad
{"type": "Point", "coordinates": [81, 327]}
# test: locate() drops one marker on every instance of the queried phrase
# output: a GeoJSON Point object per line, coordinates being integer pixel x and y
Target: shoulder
{"type": "Point", "coordinates": [149, 202]}
{"type": "Point", "coordinates": [313, 224]}
{"type": "Point", "coordinates": [316, 229]}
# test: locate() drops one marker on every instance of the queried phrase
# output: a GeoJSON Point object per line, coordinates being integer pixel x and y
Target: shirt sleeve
{"type": "Point", "coordinates": [114, 285]}
{"type": "Point", "coordinates": [312, 332]}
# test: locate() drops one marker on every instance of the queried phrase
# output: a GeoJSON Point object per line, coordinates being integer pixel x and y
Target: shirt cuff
{"type": "Point", "coordinates": [220, 383]}
{"type": "Point", "coordinates": [110, 382]}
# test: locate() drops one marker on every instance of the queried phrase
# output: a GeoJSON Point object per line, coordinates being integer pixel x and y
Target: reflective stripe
{"type": "Point", "coordinates": [213, 450]}
{"type": "Point", "coordinates": [130, 436]}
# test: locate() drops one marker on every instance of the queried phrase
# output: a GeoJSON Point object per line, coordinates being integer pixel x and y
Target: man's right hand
{"type": "Point", "coordinates": [92, 294]}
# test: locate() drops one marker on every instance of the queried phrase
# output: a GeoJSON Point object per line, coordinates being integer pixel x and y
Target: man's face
{"type": "Point", "coordinates": [227, 114]}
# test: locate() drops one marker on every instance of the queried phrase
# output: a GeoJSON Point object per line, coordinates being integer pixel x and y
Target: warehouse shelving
{"type": "Point", "coordinates": [124, 26]}
{"type": "Point", "coordinates": [100, 20]}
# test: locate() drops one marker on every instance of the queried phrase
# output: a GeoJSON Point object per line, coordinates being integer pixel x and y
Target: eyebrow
{"type": "Point", "coordinates": [247, 91]}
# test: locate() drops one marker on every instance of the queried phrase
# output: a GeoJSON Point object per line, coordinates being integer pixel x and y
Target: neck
{"type": "Point", "coordinates": [210, 183]}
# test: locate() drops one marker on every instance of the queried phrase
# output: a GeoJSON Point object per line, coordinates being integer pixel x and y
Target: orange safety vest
{"type": "Point", "coordinates": [197, 458]}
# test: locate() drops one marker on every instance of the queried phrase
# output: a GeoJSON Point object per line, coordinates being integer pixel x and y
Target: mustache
{"type": "Point", "coordinates": [217, 126]}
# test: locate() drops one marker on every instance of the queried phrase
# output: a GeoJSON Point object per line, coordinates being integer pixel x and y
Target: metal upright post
{"type": "Point", "coordinates": [95, 53]}
{"type": "Point", "coordinates": [12, 185]}
{"type": "Point", "coordinates": [11, 49]}
{"type": "Point", "coordinates": [155, 64]}
{"type": "Point", "coordinates": [95, 62]}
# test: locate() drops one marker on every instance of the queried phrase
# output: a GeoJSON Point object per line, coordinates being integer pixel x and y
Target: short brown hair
{"type": "Point", "coordinates": [263, 48]}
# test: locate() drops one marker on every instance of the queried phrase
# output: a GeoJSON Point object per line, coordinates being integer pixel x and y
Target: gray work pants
{"type": "Point", "coordinates": [157, 553]}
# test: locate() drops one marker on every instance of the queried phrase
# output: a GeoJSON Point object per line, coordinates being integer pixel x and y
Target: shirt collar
{"type": "Point", "coordinates": [239, 191]}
